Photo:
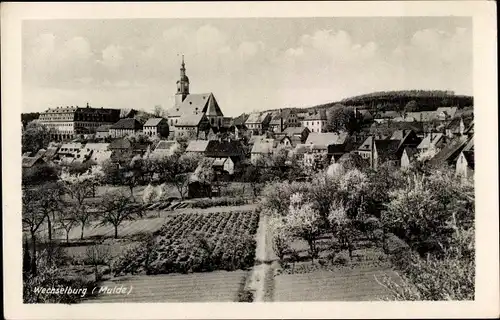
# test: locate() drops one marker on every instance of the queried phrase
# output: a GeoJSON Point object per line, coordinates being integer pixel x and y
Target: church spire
{"type": "Point", "coordinates": [182, 84]}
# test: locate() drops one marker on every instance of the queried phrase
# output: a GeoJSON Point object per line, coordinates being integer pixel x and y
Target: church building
{"type": "Point", "coordinates": [189, 106]}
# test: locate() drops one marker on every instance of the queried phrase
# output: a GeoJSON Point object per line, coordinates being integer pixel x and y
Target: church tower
{"type": "Point", "coordinates": [182, 85]}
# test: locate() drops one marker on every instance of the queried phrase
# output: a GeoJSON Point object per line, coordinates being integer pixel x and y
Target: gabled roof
{"type": "Point", "coordinates": [366, 145]}
{"type": "Point", "coordinates": [427, 142]}
{"type": "Point", "coordinates": [128, 124]}
{"type": "Point", "coordinates": [196, 103]}
{"type": "Point", "coordinates": [255, 118]}
{"type": "Point", "coordinates": [28, 162]}
{"type": "Point", "coordinates": [326, 138]}
{"type": "Point", "coordinates": [153, 122]}
{"type": "Point", "coordinates": [120, 144]}
{"type": "Point", "coordinates": [50, 153]}
{"type": "Point", "coordinates": [197, 146]}
{"type": "Point", "coordinates": [255, 138]}
{"type": "Point", "coordinates": [451, 151]}
{"type": "Point", "coordinates": [40, 153]}
{"type": "Point", "coordinates": [470, 145]}
{"type": "Point", "coordinates": [240, 120]}
{"type": "Point", "coordinates": [191, 120]}
{"type": "Point", "coordinates": [319, 115]}
{"type": "Point", "coordinates": [220, 149]}
{"type": "Point", "coordinates": [290, 131]}
{"type": "Point", "coordinates": [387, 149]}
{"type": "Point", "coordinates": [469, 156]}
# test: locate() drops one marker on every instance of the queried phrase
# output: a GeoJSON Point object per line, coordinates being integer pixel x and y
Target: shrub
{"type": "Point", "coordinates": [394, 245]}
{"type": "Point", "coordinates": [341, 259]}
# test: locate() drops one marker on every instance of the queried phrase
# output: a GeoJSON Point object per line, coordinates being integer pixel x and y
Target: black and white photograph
{"type": "Point", "coordinates": [257, 159]}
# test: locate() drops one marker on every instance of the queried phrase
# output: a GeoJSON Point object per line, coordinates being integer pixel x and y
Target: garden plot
{"type": "Point", "coordinates": [196, 242]}
{"type": "Point", "coordinates": [218, 286]}
{"type": "Point", "coordinates": [344, 284]}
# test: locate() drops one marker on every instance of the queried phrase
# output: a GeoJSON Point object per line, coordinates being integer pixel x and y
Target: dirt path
{"type": "Point", "coordinates": [263, 257]}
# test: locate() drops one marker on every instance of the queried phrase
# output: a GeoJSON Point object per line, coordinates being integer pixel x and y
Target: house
{"type": "Point", "coordinates": [326, 138]}
{"type": "Point", "coordinates": [123, 150]}
{"type": "Point", "coordinates": [261, 150]}
{"type": "Point", "coordinates": [224, 165]}
{"type": "Point", "coordinates": [465, 164]}
{"type": "Point", "coordinates": [83, 155]}
{"type": "Point", "coordinates": [258, 122]}
{"type": "Point", "coordinates": [451, 151]}
{"type": "Point", "coordinates": [386, 116]}
{"type": "Point", "coordinates": [315, 122]}
{"type": "Point", "coordinates": [69, 149]}
{"type": "Point", "coordinates": [99, 152]}
{"type": "Point", "coordinates": [239, 122]}
{"type": "Point", "coordinates": [29, 162]}
{"type": "Point", "coordinates": [125, 127]}
{"type": "Point", "coordinates": [156, 127]}
{"type": "Point", "coordinates": [363, 115]}
{"type": "Point", "coordinates": [226, 149]}
{"type": "Point", "coordinates": [446, 113]}
{"type": "Point", "coordinates": [197, 146]}
{"type": "Point", "coordinates": [315, 155]}
{"type": "Point", "coordinates": [432, 140]}
{"type": "Point", "coordinates": [103, 131]}
{"type": "Point", "coordinates": [407, 138]}
{"type": "Point", "coordinates": [190, 126]}
{"type": "Point", "coordinates": [379, 151]}
{"type": "Point", "coordinates": [297, 133]}
{"type": "Point", "coordinates": [408, 157]}
{"type": "Point", "coordinates": [165, 148]}
{"type": "Point", "coordinates": [284, 119]}
{"type": "Point", "coordinates": [458, 126]}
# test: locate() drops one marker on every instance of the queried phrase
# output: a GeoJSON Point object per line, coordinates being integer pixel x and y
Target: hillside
{"type": "Point", "coordinates": [426, 100]}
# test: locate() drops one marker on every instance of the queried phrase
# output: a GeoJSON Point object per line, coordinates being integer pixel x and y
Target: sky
{"type": "Point", "coordinates": [249, 64]}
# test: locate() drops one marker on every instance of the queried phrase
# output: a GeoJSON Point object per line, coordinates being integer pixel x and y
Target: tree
{"type": "Point", "coordinates": [280, 236]}
{"type": "Point", "coordinates": [176, 169]}
{"type": "Point", "coordinates": [97, 255]}
{"type": "Point", "coordinates": [132, 174]}
{"type": "Point", "coordinates": [67, 220]}
{"type": "Point", "coordinates": [411, 106]}
{"type": "Point", "coordinates": [159, 112]}
{"type": "Point", "coordinates": [341, 226]}
{"type": "Point", "coordinates": [304, 222]}
{"type": "Point", "coordinates": [117, 207]}
{"type": "Point", "coordinates": [35, 137]}
{"type": "Point", "coordinates": [79, 188]}
{"type": "Point", "coordinates": [341, 119]}
{"type": "Point", "coordinates": [39, 174]}
{"type": "Point", "coordinates": [32, 219]}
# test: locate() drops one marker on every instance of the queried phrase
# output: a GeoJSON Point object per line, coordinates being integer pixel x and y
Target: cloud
{"type": "Point", "coordinates": [112, 56]}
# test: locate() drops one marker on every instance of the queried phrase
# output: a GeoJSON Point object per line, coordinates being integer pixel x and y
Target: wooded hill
{"type": "Point", "coordinates": [426, 100]}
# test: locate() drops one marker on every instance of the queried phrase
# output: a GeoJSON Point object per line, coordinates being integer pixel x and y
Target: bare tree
{"type": "Point", "coordinates": [32, 219]}
{"type": "Point", "coordinates": [98, 255]}
{"type": "Point", "coordinates": [116, 208]}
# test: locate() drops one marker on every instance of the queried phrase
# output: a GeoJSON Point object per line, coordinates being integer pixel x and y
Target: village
{"type": "Point", "coordinates": [255, 206]}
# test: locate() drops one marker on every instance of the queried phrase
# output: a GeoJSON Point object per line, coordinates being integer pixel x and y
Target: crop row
{"type": "Point", "coordinates": [195, 243]}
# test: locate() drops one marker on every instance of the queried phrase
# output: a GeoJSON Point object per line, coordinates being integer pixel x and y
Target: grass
{"type": "Point", "coordinates": [218, 286]}
{"type": "Point", "coordinates": [343, 284]}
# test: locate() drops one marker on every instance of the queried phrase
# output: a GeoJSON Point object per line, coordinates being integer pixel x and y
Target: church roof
{"type": "Point", "coordinates": [197, 103]}
{"type": "Point", "coordinates": [190, 120]}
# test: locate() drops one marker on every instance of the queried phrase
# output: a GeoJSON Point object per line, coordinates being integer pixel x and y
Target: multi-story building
{"type": "Point", "coordinates": [156, 127]}
{"type": "Point", "coordinates": [315, 122]}
{"type": "Point", "coordinates": [68, 122]}
{"type": "Point", "coordinates": [125, 127]}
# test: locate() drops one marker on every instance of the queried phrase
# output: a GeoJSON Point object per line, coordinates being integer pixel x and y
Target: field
{"type": "Point", "coordinates": [196, 242]}
{"type": "Point", "coordinates": [217, 286]}
{"type": "Point", "coordinates": [343, 284]}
